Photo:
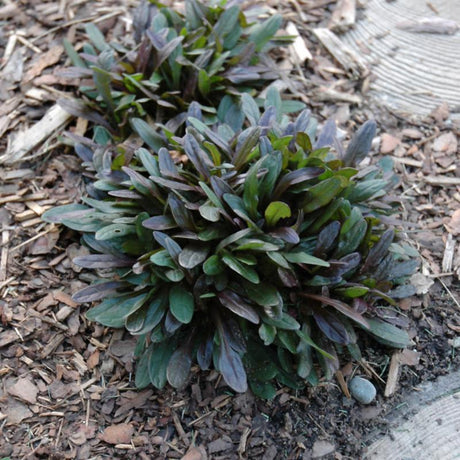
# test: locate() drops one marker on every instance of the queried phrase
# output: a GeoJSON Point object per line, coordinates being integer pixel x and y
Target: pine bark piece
{"type": "Point", "coordinates": [344, 55]}
{"type": "Point", "coordinates": [343, 16]}
{"type": "Point", "coordinates": [393, 374]}
{"type": "Point", "coordinates": [53, 120]}
{"type": "Point", "coordinates": [298, 49]}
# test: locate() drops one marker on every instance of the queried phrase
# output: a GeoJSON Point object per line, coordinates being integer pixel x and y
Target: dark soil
{"type": "Point", "coordinates": [67, 385]}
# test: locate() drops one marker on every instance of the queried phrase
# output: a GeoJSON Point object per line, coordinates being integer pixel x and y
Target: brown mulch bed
{"type": "Point", "coordinates": [67, 385]}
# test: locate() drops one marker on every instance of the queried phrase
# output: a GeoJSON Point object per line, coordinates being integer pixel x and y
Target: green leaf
{"type": "Point", "coordinates": [115, 231]}
{"type": "Point", "coordinates": [193, 255]}
{"type": "Point", "coordinates": [250, 192]}
{"type": "Point", "coordinates": [102, 81]}
{"type": "Point", "coordinates": [159, 356]}
{"type": "Point", "coordinates": [96, 37]}
{"type": "Point", "coordinates": [236, 205]}
{"type": "Point", "coordinates": [267, 296]}
{"type": "Point", "coordinates": [388, 334]}
{"type": "Point", "coordinates": [73, 54]}
{"type": "Point", "coordinates": [262, 33]}
{"type": "Point", "coordinates": [112, 312]}
{"type": "Point", "coordinates": [323, 193]}
{"type": "Point", "coordinates": [275, 211]}
{"type": "Point", "coordinates": [213, 266]}
{"type": "Point", "coordinates": [267, 333]}
{"type": "Point", "coordinates": [250, 108]}
{"type": "Point", "coordinates": [210, 213]}
{"type": "Point", "coordinates": [243, 270]}
{"type": "Point", "coordinates": [162, 259]}
{"type": "Point", "coordinates": [352, 291]}
{"type": "Point", "coordinates": [304, 258]}
{"type": "Point", "coordinates": [181, 304]}
{"type": "Point", "coordinates": [59, 213]}
{"type": "Point", "coordinates": [142, 378]}
{"type": "Point", "coordinates": [179, 368]}
{"type": "Point", "coordinates": [204, 83]}
{"type": "Point", "coordinates": [246, 148]}
{"type": "Point", "coordinates": [352, 233]}
{"type": "Point", "coordinates": [155, 313]}
{"type": "Point", "coordinates": [288, 339]}
{"type": "Point", "coordinates": [285, 322]}
{"type": "Point", "coordinates": [264, 390]}
{"type": "Point", "coordinates": [147, 133]}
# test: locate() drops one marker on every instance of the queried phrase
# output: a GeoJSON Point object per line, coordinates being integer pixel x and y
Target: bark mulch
{"type": "Point", "coordinates": [67, 388]}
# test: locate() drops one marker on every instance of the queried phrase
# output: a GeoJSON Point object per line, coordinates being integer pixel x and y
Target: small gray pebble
{"type": "Point", "coordinates": [362, 390]}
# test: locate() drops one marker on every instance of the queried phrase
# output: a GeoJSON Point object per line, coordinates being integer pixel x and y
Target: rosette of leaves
{"type": "Point", "coordinates": [259, 254]}
{"type": "Point", "coordinates": [202, 55]}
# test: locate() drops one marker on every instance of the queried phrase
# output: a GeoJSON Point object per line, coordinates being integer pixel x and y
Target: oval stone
{"type": "Point", "coordinates": [362, 390]}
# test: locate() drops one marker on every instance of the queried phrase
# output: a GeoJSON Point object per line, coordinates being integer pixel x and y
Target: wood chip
{"type": "Point", "coordinates": [442, 180]}
{"type": "Point", "coordinates": [393, 374]}
{"type": "Point", "coordinates": [298, 48]}
{"type": "Point", "coordinates": [53, 120]}
{"type": "Point", "coordinates": [345, 56]}
{"type": "Point", "coordinates": [4, 255]}
{"type": "Point", "coordinates": [432, 25]}
{"type": "Point", "coordinates": [52, 56]}
{"type": "Point", "coordinates": [448, 257]}
{"type": "Point", "coordinates": [344, 15]}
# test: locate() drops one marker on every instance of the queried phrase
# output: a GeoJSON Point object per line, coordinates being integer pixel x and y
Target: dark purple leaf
{"type": "Point", "coordinates": [194, 110]}
{"type": "Point", "coordinates": [220, 187]}
{"type": "Point", "coordinates": [378, 251]}
{"type": "Point", "coordinates": [204, 353]}
{"type": "Point", "coordinates": [98, 291]}
{"type": "Point", "coordinates": [339, 306]}
{"type": "Point", "coordinates": [343, 265]}
{"type": "Point", "coordinates": [103, 261]}
{"type": "Point", "coordinates": [266, 120]}
{"type": "Point", "coordinates": [239, 75]}
{"type": "Point", "coordinates": [141, 183]}
{"type": "Point", "coordinates": [174, 185]}
{"type": "Point", "coordinates": [211, 135]}
{"type": "Point", "coordinates": [332, 328]}
{"type": "Point", "coordinates": [179, 367]}
{"type": "Point", "coordinates": [167, 165]}
{"type": "Point", "coordinates": [197, 156]}
{"type": "Point", "coordinates": [327, 136]}
{"type": "Point", "coordinates": [287, 234]}
{"type": "Point", "coordinates": [238, 305]}
{"type": "Point", "coordinates": [171, 323]}
{"type": "Point", "coordinates": [360, 306]}
{"type": "Point", "coordinates": [130, 194]}
{"type": "Point", "coordinates": [159, 223]}
{"type": "Point", "coordinates": [84, 152]}
{"type": "Point", "coordinates": [80, 109]}
{"type": "Point", "coordinates": [234, 335]}
{"type": "Point", "coordinates": [288, 277]}
{"type": "Point", "coordinates": [295, 177]}
{"type": "Point", "coordinates": [360, 144]}
{"type": "Point", "coordinates": [326, 238]}
{"type": "Point", "coordinates": [302, 121]}
{"type": "Point", "coordinates": [231, 365]}
{"type": "Point", "coordinates": [181, 214]}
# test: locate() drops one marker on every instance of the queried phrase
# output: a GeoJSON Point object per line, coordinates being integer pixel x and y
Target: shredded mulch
{"type": "Point", "coordinates": [67, 388]}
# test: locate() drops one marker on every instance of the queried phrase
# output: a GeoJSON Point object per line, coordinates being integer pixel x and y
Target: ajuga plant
{"type": "Point", "coordinates": [209, 52]}
{"type": "Point", "coordinates": [263, 254]}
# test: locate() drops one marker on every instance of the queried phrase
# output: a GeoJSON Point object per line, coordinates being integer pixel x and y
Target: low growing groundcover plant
{"type": "Point", "coordinates": [259, 252]}
{"type": "Point", "coordinates": [207, 55]}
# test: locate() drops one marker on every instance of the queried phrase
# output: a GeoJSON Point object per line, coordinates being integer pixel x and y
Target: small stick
{"type": "Point", "coordinates": [4, 255]}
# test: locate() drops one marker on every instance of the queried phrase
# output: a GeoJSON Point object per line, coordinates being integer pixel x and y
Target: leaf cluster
{"type": "Point", "coordinates": [203, 55]}
{"type": "Point", "coordinates": [259, 252]}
